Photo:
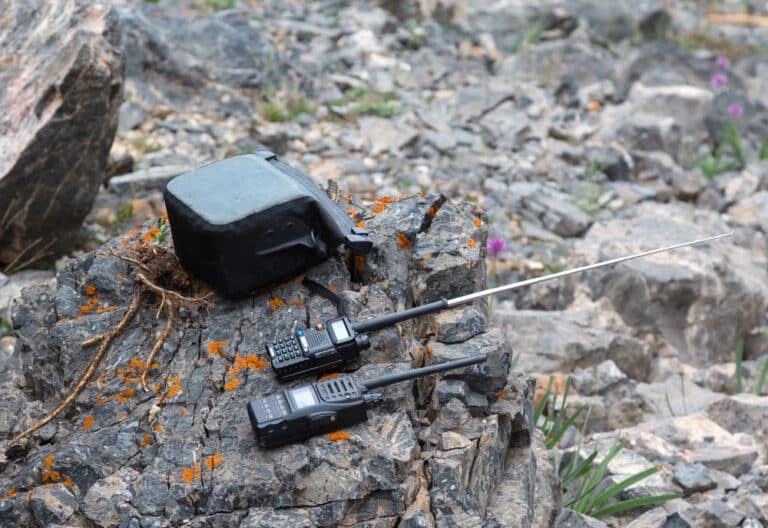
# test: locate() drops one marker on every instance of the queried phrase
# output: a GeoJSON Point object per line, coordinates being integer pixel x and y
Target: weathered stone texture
{"type": "Point", "coordinates": [60, 90]}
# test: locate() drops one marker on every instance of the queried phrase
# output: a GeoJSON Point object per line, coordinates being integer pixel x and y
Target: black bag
{"type": "Point", "coordinates": [252, 221]}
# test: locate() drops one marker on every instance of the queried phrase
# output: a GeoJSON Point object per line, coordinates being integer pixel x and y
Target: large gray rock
{"type": "Point", "coordinates": [184, 59]}
{"type": "Point", "coordinates": [60, 91]}
{"type": "Point", "coordinates": [550, 341]}
{"type": "Point", "coordinates": [185, 451]}
{"type": "Point", "coordinates": [701, 299]}
{"type": "Point", "coordinates": [745, 413]}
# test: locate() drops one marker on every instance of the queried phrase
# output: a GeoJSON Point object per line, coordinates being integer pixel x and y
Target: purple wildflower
{"type": "Point", "coordinates": [723, 62]}
{"type": "Point", "coordinates": [718, 80]}
{"type": "Point", "coordinates": [735, 109]}
{"type": "Point", "coordinates": [496, 246]}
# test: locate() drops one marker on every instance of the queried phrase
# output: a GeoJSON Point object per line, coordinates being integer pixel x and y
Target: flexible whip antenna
{"type": "Point", "coordinates": [376, 323]}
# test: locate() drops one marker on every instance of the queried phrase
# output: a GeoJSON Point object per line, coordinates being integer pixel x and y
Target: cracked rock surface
{"type": "Point", "coordinates": [437, 452]}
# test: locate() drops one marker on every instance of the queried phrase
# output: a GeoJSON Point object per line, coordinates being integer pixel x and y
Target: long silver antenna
{"type": "Point", "coordinates": [472, 296]}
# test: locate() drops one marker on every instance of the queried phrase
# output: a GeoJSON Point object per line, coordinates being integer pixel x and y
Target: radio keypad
{"type": "Point", "coordinates": [271, 407]}
{"type": "Point", "coordinates": [286, 349]}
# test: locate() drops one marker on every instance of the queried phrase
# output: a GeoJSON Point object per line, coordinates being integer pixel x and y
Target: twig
{"type": "Point", "coordinates": [138, 263]}
{"type": "Point", "coordinates": [106, 339]}
{"type": "Point", "coordinates": [171, 311]}
{"type": "Point", "coordinates": [158, 289]}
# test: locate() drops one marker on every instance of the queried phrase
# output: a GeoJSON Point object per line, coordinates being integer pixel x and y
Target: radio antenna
{"type": "Point", "coordinates": [388, 379]}
{"type": "Point", "coordinates": [376, 323]}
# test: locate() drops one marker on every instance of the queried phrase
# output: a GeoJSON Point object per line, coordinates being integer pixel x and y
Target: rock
{"type": "Point", "coordinates": [745, 413]}
{"type": "Point", "coordinates": [687, 184]}
{"type": "Point", "coordinates": [185, 450]}
{"type": "Point", "coordinates": [752, 210]}
{"type": "Point", "coordinates": [152, 179]}
{"type": "Point", "coordinates": [12, 285]}
{"type": "Point", "coordinates": [610, 161]}
{"type": "Point", "coordinates": [547, 207]}
{"type": "Point", "coordinates": [676, 396]}
{"type": "Point", "coordinates": [383, 135]}
{"type": "Point", "coordinates": [597, 379]}
{"type": "Point", "coordinates": [571, 519]}
{"type": "Point", "coordinates": [700, 299]}
{"type": "Point", "coordinates": [551, 341]}
{"type": "Point", "coordinates": [693, 478]}
{"type": "Point", "coordinates": [694, 439]}
{"type": "Point", "coordinates": [660, 518]}
{"type": "Point", "coordinates": [182, 59]}
{"type": "Point", "coordinates": [59, 108]}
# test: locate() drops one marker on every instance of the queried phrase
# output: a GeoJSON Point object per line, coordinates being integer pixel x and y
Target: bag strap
{"type": "Point", "coordinates": [324, 292]}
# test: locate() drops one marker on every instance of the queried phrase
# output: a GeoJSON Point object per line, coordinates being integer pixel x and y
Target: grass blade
{"type": "Point", "coordinates": [635, 503]}
{"type": "Point", "coordinates": [761, 379]}
{"type": "Point", "coordinates": [621, 486]}
{"type": "Point", "coordinates": [558, 432]}
{"type": "Point", "coordinates": [543, 403]}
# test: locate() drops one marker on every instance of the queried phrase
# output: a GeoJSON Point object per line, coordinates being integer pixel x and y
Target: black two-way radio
{"type": "Point", "coordinates": [295, 414]}
{"type": "Point", "coordinates": [336, 343]}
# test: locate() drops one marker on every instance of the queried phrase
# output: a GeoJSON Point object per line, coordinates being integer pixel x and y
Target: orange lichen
{"type": "Point", "coordinates": [174, 386]}
{"type": "Point", "coordinates": [471, 242]}
{"type": "Point", "coordinates": [49, 461]}
{"type": "Point", "coordinates": [429, 351]}
{"type": "Point", "coordinates": [120, 276]}
{"type": "Point", "coordinates": [101, 399]}
{"type": "Point", "coordinates": [125, 241]}
{"type": "Point", "coordinates": [297, 303]}
{"type": "Point", "coordinates": [593, 106]}
{"type": "Point", "coordinates": [231, 384]}
{"type": "Point", "coordinates": [252, 362]}
{"type": "Point", "coordinates": [213, 461]}
{"type": "Point", "coordinates": [478, 222]}
{"type": "Point", "coordinates": [88, 422]}
{"type": "Point", "coordinates": [421, 194]}
{"type": "Point", "coordinates": [433, 211]}
{"type": "Point", "coordinates": [90, 290]}
{"type": "Point", "coordinates": [146, 442]}
{"type": "Point", "coordinates": [184, 411]}
{"type": "Point", "coordinates": [330, 287]}
{"type": "Point", "coordinates": [53, 476]}
{"type": "Point", "coordinates": [330, 376]}
{"type": "Point", "coordinates": [276, 302]}
{"type": "Point", "coordinates": [150, 235]}
{"type": "Point", "coordinates": [189, 474]}
{"type": "Point", "coordinates": [217, 347]}
{"type": "Point", "coordinates": [403, 241]}
{"type": "Point", "coordinates": [352, 213]}
{"type": "Point", "coordinates": [500, 395]}
{"type": "Point", "coordinates": [159, 428]}
{"type": "Point", "coordinates": [11, 493]}
{"type": "Point", "coordinates": [338, 436]}
{"type": "Point", "coordinates": [62, 320]}
{"type": "Point", "coordinates": [360, 224]}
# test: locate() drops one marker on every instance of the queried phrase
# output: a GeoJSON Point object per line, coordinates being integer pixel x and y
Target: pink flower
{"type": "Point", "coordinates": [496, 246]}
{"type": "Point", "coordinates": [718, 80]}
{"type": "Point", "coordinates": [735, 109]}
{"type": "Point", "coordinates": [723, 62]}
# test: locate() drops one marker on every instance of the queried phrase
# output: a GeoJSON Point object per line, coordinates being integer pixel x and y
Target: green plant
{"type": "Point", "coordinates": [585, 486]}
{"type": "Point", "coordinates": [367, 101]}
{"type": "Point", "coordinates": [5, 328]}
{"type": "Point", "coordinates": [763, 154]}
{"type": "Point", "coordinates": [296, 105]}
{"type": "Point", "coordinates": [761, 379]}
{"type": "Point", "coordinates": [532, 37]}
{"type": "Point", "coordinates": [218, 5]}
{"type": "Point", "coordinates": [591, 496]}
{"type": "Point", "coordinates": [272, 112]}
{"type": "Point", "coordinates": [555, 424]}
{"type": "Point", "coordinates": [164, 228]}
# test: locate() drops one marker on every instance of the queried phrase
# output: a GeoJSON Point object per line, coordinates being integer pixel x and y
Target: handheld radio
{"type": "Point", "coordinates": [293, 415]}
{"type": "Point", "coordinates": [339, 341]}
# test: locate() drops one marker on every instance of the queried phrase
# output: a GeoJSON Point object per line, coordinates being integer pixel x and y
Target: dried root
{"type": "Point", "coordinates": [158, 267]}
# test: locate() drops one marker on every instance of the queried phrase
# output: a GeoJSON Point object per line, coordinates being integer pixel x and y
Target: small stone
{"type": "Point", "coordinates": [598, 379]}
{"type": "Point", "coordinates": [571, 519]}
{"type": "Point", "coordinates": [693, 478]}
{"type": "Point", "coordinates": [687, 184]}
{"type": "Point", "coordinates": [452, 440]}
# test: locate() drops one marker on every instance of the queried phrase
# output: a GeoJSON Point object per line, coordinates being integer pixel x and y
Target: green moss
{"type": "Point", "coordinates": [367, 101]}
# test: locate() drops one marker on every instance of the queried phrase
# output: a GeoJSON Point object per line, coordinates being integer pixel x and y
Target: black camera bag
{"type": "Point", "coordinates": [251, 221]}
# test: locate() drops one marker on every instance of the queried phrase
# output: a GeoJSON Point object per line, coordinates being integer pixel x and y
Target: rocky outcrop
{"type": "Point", "coordinates": [60, 89]}
{"type": "Point", "coordinates": [443, 452]}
